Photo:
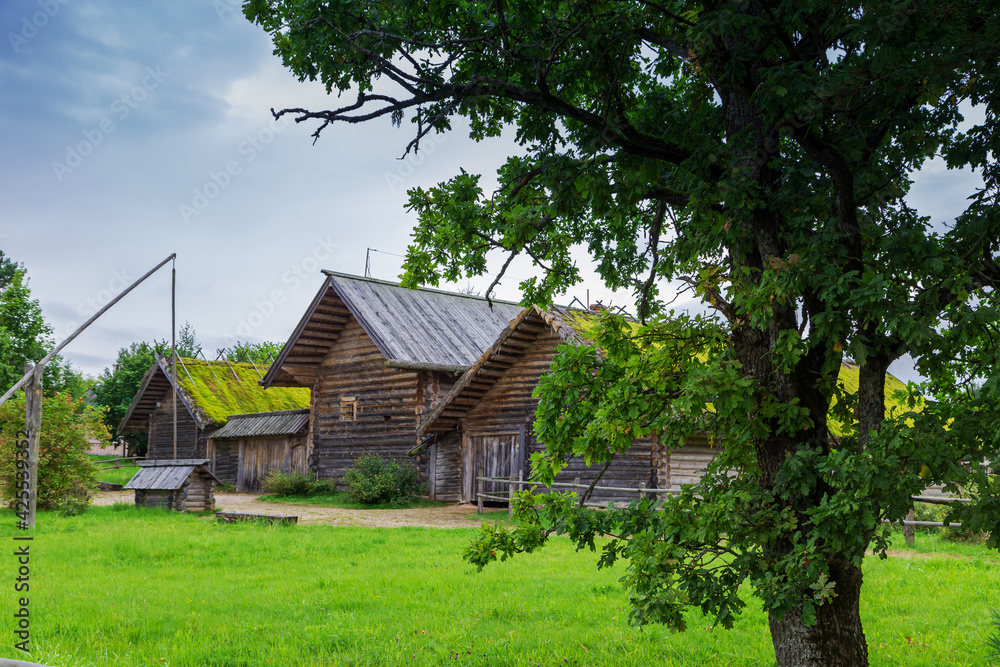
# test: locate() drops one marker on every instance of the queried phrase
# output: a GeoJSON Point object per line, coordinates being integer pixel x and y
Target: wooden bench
{"type": "Point", "coordinates": [233, 517]}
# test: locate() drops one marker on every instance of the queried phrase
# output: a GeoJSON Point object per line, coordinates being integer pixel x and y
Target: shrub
{"type": "Point", "coordinates": [993, 642]}
{"type": "Point", "coordinates": [66, 478]}
{"type": "Point", "coordinates": [373, 480]}
{"type": "Point", "coordinates": [287, 484]}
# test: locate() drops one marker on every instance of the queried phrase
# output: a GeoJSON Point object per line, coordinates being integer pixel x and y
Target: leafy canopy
{"type": "Point", "coordinates": [762, 154]}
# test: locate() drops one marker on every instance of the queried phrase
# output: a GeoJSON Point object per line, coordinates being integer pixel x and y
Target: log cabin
{"type": "Point", "coordinates": [483, 427]}
{"type": "Point", "coordinates": [209, 394]}
{"type": "Point", "coordinates": [377, 357]}
{"type": "Point", "coordinates": [249, 447]}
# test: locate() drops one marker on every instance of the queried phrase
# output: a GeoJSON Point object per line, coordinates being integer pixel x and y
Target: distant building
{"type": "Point", "coordinates": [208, 395]}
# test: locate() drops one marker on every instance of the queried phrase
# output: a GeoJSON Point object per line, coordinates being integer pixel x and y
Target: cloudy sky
{"type": "Point", "coordinates": [133, 130]}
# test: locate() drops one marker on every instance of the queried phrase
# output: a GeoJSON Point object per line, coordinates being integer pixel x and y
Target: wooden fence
{"type": "Point", "coordinates": [117, 462]}
{"type": "Point", "coordinates": [517, 483]}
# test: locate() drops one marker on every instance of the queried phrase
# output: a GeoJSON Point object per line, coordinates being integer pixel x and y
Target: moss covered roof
{"type": "Point", "coordinates": [584, 323]}
{"type": "Point", "coordinates": [219, 389]}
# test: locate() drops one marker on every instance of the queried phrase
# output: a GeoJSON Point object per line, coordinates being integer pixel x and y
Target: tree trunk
{"type": "Point", "coordinates": [836, 639]}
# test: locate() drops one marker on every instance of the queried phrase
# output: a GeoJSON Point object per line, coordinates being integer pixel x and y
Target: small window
{"type": "Point", "coordinates": [348, 408]}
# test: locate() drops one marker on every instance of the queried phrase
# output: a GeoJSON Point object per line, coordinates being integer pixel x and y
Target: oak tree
{"type": "Point", "coordinates": [761, 152]}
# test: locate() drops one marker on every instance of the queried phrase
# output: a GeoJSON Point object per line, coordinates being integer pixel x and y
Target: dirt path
{"type": "Point", "coordinates": [446, 516]}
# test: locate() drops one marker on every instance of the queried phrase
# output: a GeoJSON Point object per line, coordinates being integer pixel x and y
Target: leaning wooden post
{"type": "Point", "coordinates": [33, 419]}
{"type": "Point", "coordinates": [909, 532]}
{"type": "Point", "coordinates": [510, 496]}
{"type": "Point", "coordinates": [479, 495]}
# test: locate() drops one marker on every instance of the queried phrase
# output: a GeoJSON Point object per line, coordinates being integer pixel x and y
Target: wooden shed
{"type": "Point", "coordinates": [250, 446]}
{"type": "Point", "coordinates": [378, 357]}
{"type": "Point", "coordinates": [208, 394]}
{"type": "Point", "coordinates": [484, 426]}
{"type": "Point", "coordinates": [182, 485]}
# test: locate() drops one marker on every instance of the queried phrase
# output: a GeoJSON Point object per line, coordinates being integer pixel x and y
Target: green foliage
{"type": "Point", "coordinates": [762, 156]}
{"type": "Point", "coordinates": [993, 642]}
{"type": "Point", "coordinates": [262, 354]}
{"type": "Point", "coordinates": [373, 479]}
{"type": "Point", "coordinates": [66, 479]}
{"type": "Point", "coordinates": [288, 484]}
{"type": "Point", "coordinates": [24, 334]}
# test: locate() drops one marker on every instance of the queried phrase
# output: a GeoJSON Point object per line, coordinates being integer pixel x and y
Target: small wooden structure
{"type": "Point", "coordinates": [250, 446]}
{"type": "Point", "coordinates": [377, 357]}
{"type": "Point", "coordinates": [183, 485]}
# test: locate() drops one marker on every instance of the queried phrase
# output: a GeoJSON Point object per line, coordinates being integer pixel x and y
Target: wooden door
{"type": "Point", "coordinates": [494, 456]}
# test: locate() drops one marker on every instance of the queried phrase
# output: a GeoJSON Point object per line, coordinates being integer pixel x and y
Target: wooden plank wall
{"type": "Point", "coordinates": [260, 456]}
{"type": "Point", "coordinates": [190, 444]}
{"type": "Point", "coordinates": [225, 459]}
{"type": "Point", "coordinates": [447, 462]}
{"type": "Point", "coordinates": [509, 405]}
{"type": "Point", "coordinates": [387, 403]}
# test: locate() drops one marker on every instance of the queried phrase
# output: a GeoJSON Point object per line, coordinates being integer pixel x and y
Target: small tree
{"type": "Point", "coordinates": [65, 473]}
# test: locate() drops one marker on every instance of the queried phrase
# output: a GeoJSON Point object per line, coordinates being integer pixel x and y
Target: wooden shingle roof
{"type": "Point", "coordinates": [414, 329]}
{"type": "Point", "coordinates": [516, 337]}
{"type": "Point", "coordinates": [166, 475]}
{"type": "Point", "coordinates": [287, 422]}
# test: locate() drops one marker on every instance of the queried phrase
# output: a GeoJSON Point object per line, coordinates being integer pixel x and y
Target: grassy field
{"type": "Point", "coordinates": [122, 586]}
{"type": "Point", "coordinates": [116, 475]}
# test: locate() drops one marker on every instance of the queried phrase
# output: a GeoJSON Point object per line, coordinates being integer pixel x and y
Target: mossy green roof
{"type": "Point", "coordinates": [584, 323]}
{"type": "Point", "coordinates": [218, 389]}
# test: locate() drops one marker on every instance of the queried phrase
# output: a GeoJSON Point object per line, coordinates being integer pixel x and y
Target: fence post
{"type": "Point", "coordinates": [909, 532]}
{"type": "Point", "coordinates": [479, 495]}
{"type": "Point", "coordinates": [510, 497]}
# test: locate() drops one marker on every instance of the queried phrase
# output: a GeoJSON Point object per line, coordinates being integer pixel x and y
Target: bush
{"type": "Point", "coordinates": [373, 480]}
{"type": "Point", "coordinates": [287, 484]}
{"type": "Point", "coordinates": [66, 478]}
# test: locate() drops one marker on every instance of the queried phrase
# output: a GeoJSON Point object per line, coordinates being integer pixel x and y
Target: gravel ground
{"type": "Point", "coordinates": [446, 516]}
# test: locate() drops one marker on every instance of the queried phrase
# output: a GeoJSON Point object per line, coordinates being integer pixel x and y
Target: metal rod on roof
{"type": "Point", "coordinates": [254, 366]}
{"type": "Point", "coordinates": [173, 342]}
{"type": "Point", "coordinates": [186, 371]}
{"type": "Point", "coordinates": [233, 370]}
{"type": "Point", "coordinates": [20, 383]}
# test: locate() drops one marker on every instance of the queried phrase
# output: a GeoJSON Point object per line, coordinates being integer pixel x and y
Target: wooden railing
{"type": "Point", "coordinates": [117, 462]}
{"type": "Point", "coordinates": [517, 483]}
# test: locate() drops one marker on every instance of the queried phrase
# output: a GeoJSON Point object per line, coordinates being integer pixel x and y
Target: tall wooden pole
{"type": "Point", "coordinates": [48, 357]}
{"type": "Point", "coordinates": [173, 343]}
{"type": "Point", "coordinates": [33, 418]}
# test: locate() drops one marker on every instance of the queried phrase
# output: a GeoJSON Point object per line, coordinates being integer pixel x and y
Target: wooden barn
{"type": "Point", "coordinates": [484, 426]}
{"type": "Point", "coordinates": [250, 446]}
{"type": "Point", "coordinates": [208, 393]}
{"type": "Point", "coordinates": [378, 357]}
{"type": "Point", "coordinates": [182, 485]}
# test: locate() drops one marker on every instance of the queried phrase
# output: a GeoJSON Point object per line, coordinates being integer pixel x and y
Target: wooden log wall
{"type": "Point", "coordinates": [508, 407]}
{"type": "Point", "coordinates": [260, 456]}
{"type": "Point", "coordinates": [198, 494]}
{"type": "Point", "coordinates": [156, 498]}
{"type": "Point", "coordinates": [385, 413]}
{"type": "Point", "coordinates": [190, 444]}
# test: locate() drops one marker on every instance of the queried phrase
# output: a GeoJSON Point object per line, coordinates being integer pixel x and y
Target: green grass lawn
{"type": "Point", "coordinates": [115, 475]}
{"type": "Point", "coordinates": [123, 586]}
{"type": "Point", "coordinates": [343, 501]}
